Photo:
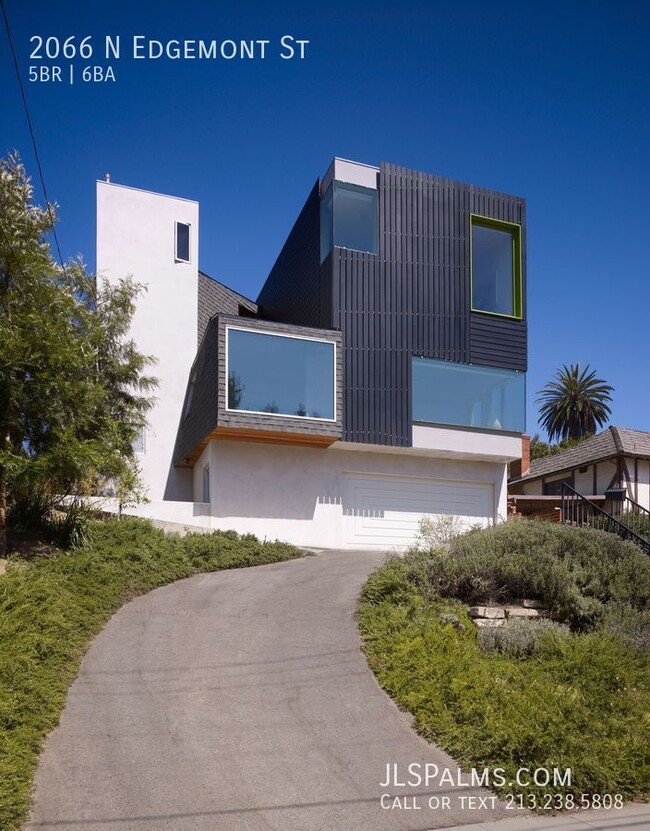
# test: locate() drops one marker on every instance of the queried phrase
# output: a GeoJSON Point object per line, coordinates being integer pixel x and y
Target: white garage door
{"type": "Point", "coordinates": [384, 511]}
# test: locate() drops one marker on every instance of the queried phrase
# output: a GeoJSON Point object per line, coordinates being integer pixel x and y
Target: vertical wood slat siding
{"type": "Point", "coordinates": [413, 298]}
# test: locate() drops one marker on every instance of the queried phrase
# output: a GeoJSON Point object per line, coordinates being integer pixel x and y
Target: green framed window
{"type": "Point", "coordinates": [496, 267]}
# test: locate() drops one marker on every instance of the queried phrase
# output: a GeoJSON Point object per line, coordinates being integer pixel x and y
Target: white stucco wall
{"type": "Point", "coordinates": [584, 482]}
{"type": "Point", "coordinates": [478, 445]}
{"type": "Point", "coordinates": [136, 236]}
{"type": "Point", "coordinates": [303, 495]}
{"type": "Point", "coordinates": [643, 483]}
{"type": "Point", "coordinates": [639, 490]}
{"type": "Point", "coordinates": [605, 473]}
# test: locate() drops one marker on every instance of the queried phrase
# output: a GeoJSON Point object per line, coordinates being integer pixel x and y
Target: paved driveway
{"type": "Point", "coordinates": [237, 700]}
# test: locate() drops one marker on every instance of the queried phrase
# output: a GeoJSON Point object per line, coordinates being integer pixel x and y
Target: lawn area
{"type": "Point", "coordinates": [570, 694]}
{"type": "Point", "coordinates": [51, 607]}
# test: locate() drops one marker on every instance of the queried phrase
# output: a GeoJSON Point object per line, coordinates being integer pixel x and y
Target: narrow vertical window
{"type": "Point", "coordinates": [182, 248]}
{"type": "Point", "coordinates": [206, 483]}
{"type": "Point", "coordinates": [138, 443]}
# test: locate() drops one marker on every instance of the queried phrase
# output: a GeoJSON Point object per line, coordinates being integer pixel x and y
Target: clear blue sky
{"type": "Point", "coordinates": [548, 101]}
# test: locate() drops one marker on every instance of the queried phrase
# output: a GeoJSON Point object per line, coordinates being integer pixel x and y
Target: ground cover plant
{"type": "Point", "coordinates": [51, 607]}
{"type": "Point", "coordinates": [569, 693]}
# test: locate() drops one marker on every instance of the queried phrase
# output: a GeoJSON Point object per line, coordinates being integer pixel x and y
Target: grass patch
{"type": "Point", "coordinates": [569, 696]}
{"type": "Point", "coordinates": [51, 607]}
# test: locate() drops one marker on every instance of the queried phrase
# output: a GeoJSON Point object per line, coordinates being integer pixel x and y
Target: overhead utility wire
{"type": "Point", "coordinates": [31, 131]}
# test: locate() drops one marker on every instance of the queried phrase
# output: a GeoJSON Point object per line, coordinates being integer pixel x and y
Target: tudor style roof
{"type": "Point", "coordinates": [615, 441]}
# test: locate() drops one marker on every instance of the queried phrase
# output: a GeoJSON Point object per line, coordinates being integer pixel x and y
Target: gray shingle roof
{"type": "Point", "coordinates": [615, 441]}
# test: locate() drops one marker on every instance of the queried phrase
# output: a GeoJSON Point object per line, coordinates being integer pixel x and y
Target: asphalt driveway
{"type": "Point", "coordinates": [239, 700]}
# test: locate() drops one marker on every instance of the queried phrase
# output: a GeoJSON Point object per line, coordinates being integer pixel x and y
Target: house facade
{"type": "Point", "coordinates": [378, 377]}
{"type": "Point", "coordinates": [614, 464]}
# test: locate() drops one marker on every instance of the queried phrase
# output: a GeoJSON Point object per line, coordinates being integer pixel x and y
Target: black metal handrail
{"type": "Point", "coordinates": [578, 510]}
{"type": "Point", "coordinates": [635, 516]}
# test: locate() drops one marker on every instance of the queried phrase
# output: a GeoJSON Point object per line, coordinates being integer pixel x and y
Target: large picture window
{"type": "Point", "coordinates": [281, 375]}
{"type": "Point", "coordinates": [496, 267]}
{"type": "Point", "coordinates": [469, 396]}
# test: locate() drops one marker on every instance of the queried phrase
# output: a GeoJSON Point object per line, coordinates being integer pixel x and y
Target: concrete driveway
{"type": "Point", "coordinates": [239, 700]}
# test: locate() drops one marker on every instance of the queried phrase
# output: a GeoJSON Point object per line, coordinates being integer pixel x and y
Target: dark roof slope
{"type": "Point", "coordinates": [615, 441]}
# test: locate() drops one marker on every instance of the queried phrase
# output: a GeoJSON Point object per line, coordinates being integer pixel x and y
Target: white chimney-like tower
{"type": "Point", "coordinates": [155, 239]}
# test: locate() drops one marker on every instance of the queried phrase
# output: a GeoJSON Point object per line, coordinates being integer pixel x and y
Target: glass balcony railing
{"type": "Point", "coordinates": [467, 395]}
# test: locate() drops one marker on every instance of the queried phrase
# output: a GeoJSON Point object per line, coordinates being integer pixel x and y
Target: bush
{"type": "Point", "coordinates": [577, 700]}
{"type": "Point", "coordinates": [574, 572]}
{"type": "Point", "coordinates": [533, 693]}
{"type": "Point", "coordinates": [521, 638]}
{"type": "Point", "coordinates": [56, 520]}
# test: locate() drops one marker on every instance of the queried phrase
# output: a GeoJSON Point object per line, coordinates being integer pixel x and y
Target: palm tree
{"type": "Point", "coordinates": [574, 403]}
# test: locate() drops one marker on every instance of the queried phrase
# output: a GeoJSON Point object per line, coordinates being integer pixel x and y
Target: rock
{"type": "Point", "coordinates": [532, 604]}
{"type": "Point", "coordinates": [519, 611]}
{"type": "Point", "coordinates": [488, 623]}
{"type": "Point", "coordinates": [490, 612]}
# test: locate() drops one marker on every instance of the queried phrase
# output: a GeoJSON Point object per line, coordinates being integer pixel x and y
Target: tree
{"type": "Point", "coordinates": [540, 449]}
{"type": "Point", "coordinates": [235, 390]}
{"type": "Point", "coordinates": [72, 388]}
{"type": "Point", "coordinates": [574, 404]}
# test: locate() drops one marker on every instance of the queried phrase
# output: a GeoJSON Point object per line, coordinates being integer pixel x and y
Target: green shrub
{"type": "Point", "coordinates": [389, 583]}
{"type": "Point", "coordinates": [628, 624]}
{"type": "Point", "coordinates": [521, 638]}
{"type": "Point", "coordinates": [533, 693]}
{"type": "Point", "coordinates": [56, 520]}
{"type": "Point", "coordinates": [579, 701]}
{"type": "Point", "coordinates": [574, 572]}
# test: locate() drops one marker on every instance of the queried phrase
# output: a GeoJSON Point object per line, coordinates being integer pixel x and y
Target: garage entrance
{"type": "Point", "coordinates": [384, 510]}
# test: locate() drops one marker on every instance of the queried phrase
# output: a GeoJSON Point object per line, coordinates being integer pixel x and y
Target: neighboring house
{"type": "Point", "coordinates": [617, 458]}
{"type": "Point", "coordinates": [378, 377]}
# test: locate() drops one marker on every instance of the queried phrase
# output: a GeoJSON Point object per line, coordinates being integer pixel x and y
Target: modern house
{"type": "Point", "coordinates": [378, 377]}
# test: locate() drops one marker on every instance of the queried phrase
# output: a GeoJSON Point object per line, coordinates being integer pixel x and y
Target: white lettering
{"type": "Point", "coordinates": [228, 49]}
{"type": "Point", "coordinates": [286, 41]}
{"type": "Point", "coordinates": [414, 773]}
{"type": "Point", "coordinates": [138, 47]}
{"type": "Point", "coordinates": [112, 47]}
{"type": "Point", "coordinates": [208, 50]}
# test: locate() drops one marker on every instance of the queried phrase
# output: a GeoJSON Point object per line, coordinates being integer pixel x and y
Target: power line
{"type": "Point", "coordinates": [31, 131]}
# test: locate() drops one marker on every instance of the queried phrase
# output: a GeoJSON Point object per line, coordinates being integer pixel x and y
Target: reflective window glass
{"type": "Point", "coordinates": [290, 376]}
{"type": "Point", "coordinates": [469, 396]}
{"type": "Point", "coordinates": [326, 223]}
{"type": "Point", "coordinates": [183, 242]}
{"type": "Point", "coordinates": [495, 268]}
{"type": "Point", "coordinates": [348, 218]}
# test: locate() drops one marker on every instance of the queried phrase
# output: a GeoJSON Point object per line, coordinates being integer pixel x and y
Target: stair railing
{"type": "Point", "coordinates": [577, 510]}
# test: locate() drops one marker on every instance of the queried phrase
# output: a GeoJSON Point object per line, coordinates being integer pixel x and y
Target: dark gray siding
{"type": "Point", "coordinates": [202, 416]}
{"type": "Point", "coordinates": [270, 421]}
{"type": "Point", "coordinates": [292, 291]}
{"type": "Point", "coordinates": [413, 298]}
{"type": "Point", "coordinates": [215, 298]}
{"type": "Point", "coordinates": [208, 405]}
{"type": "Point", "coordinates": [498, 341]}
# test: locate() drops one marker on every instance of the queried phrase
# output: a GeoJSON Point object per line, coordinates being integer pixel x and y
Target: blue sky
{"type": "Point", "coordinates": [547, 101]}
